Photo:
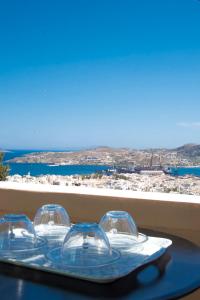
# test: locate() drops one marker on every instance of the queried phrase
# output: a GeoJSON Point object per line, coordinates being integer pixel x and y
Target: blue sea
{"type": "Point", "coordinates": [44, 169]}
{"type": "Point", "coordinates": [195, 171]}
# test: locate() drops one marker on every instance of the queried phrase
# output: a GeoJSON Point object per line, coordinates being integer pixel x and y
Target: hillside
{"type": "Point", "coordinates": [189, 150]}
{"type": "Point", "coordinates": [185, 155]}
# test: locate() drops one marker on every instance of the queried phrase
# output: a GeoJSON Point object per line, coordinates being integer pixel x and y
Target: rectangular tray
{"type": "Point", "coordinates": [129, 261]}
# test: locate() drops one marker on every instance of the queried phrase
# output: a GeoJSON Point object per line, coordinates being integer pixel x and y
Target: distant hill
{"type": "Point", "coordinates": [189, 150]}
{"type": "Point", "coordinates": [186, 155]}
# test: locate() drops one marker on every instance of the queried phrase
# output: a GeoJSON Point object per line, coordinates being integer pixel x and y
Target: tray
{"type": "Point", "coordinates": [129, 261]}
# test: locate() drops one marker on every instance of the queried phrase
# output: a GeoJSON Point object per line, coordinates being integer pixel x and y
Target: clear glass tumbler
{"type": "Point", "coordinates": [52, 222]}
{"type": "Point", "coordinates": [85, 245]}
{"type": "Point", "coordinates": [18, 237]}
{"type": "Point", "coordinates": [121, 230]}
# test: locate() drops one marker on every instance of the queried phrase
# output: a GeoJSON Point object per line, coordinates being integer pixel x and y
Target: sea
{"type": "Point", "coordinates": [37, 169]}
{"type": "Point", "coordinates": [180, 171]}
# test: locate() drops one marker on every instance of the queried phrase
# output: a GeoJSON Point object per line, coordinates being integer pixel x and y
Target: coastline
{"type": "Point", "coordinates": [187, 167]}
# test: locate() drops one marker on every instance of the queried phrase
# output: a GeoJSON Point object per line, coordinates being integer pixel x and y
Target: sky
{"type": "Point", "coordinates": [81, 73]}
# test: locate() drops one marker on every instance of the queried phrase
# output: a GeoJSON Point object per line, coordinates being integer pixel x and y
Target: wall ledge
{"type": "Point", "coordinates": [47, 188]}
{"type": "Point", "coordinates": [171, 213]}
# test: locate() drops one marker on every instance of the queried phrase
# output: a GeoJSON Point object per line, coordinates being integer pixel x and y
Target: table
{"type": "Point", "coordinates": [174, 274]}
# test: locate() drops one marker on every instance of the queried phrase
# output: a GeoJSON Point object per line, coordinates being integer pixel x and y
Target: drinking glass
{"type": "Point", "coordinates": [85, 246]}
{"type": "Point", "coordinates": [52, 222]}
{"type": "Point", "coordinates": [18, 237]}
{"type": "Point", "coordinates": [121, 230]}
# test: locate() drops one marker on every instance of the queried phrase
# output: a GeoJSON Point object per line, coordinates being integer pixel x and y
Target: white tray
{"type": "Point", "coordinates": [129, 261]}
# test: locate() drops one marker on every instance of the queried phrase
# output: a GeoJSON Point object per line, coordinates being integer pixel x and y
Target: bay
{"type": "Point", "coordinates": [37, 169]}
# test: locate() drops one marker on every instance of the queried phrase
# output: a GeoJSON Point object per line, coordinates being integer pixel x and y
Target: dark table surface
{"type": "Point", "coordinates": [174, 274]}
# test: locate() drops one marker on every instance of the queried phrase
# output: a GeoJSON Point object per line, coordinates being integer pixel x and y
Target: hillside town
{"type": "Point", "coordinates": [134, 182]}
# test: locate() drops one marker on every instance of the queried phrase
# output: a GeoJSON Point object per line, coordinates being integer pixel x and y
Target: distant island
{"type": "Point", "coordinates": [186, 155]}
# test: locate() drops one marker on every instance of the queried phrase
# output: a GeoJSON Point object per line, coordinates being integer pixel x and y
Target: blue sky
{"type": "Point", "coordinates": [89, 72]}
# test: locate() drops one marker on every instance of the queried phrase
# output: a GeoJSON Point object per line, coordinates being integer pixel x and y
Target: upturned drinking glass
{"type": "Point", "coordinates": [18, 237]}
{"type": "Point", "coordinates": [121, 230]}
{"type": "Point", "coordinates": [52, 222]}
{"type": "Point", "coordinates": [85, 245]}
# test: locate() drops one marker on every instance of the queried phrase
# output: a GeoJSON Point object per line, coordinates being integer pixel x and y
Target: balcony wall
{"type": "Point", "coordinates": [170, 213]}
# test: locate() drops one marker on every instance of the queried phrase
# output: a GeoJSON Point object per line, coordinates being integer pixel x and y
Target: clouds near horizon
{"type": "Point", "coordinates": [189, 124]}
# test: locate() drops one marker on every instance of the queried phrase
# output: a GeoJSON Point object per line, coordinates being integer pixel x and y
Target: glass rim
{"type": "Point", "coordinates": [61, 261]}
{"type": "Point", "coordinates": [51, 206]}
{"type": "Point", "coordinates": [15, 218]}
{"type": "Point", "coordinates": [136, 240]}
{"type": "Point", "coordinates": [42, 244]}
{"type": "Point", "coordinates": [86, 227]}
{"type": "Point", "coordinates": [117, 213]}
